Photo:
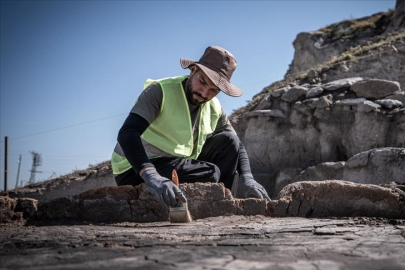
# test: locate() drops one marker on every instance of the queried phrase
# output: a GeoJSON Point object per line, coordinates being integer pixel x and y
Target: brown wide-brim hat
{"type": "Point", "coordinates": [219, 65]}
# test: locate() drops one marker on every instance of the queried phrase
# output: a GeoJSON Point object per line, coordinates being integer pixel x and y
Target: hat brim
{"type": "Point", "coordinates": [221, 82]}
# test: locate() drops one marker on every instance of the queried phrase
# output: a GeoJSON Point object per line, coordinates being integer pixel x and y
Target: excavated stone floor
{"type": "Point", "coordinates": [226, 242]}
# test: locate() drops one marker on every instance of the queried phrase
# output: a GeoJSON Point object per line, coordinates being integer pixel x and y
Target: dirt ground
{"type": "Point", "coordinates": [228, 242]}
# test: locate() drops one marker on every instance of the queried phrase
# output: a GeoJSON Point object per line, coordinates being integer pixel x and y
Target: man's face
{"type": "Point", "coordinates": [200, 88]}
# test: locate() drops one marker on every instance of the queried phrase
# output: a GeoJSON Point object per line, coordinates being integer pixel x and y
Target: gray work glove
{"type": "Point", "coordinates": [251, 188]}
{"type": "Point", "coordinates": [162, 188]}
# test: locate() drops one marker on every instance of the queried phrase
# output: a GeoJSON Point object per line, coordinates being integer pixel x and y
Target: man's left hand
{"type": "Point", "coordinates": [251, 188]}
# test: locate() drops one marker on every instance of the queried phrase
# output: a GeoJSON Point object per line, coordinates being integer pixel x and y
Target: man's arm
{"type": "Point", "coordinates": [129, 138]}
{"type": "Point", "coordinates": [144, 112]}
{"type": "Point", "coordinates": [249, 185]}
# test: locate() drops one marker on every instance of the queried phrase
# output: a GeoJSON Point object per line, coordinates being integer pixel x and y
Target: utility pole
{"type": "Point", "coordinates": [5, 162]}
{"type": "Point", "coordinates": [36, 161]}
{"type": "Point", "coordinates": [18, 172]}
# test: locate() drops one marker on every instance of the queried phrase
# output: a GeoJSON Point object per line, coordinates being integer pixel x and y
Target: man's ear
{"type": "Point", "coordinates": [193, 69]}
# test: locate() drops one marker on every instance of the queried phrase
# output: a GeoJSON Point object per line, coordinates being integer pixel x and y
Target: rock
{"type": "Point", "coordinates": [7, 203]}
{"type": "Point", "coordinates": [314, 91]}
{"type": "Point", "coordinates": [63, 208]}
{"type": "Point", "coordinates": [375, 88]}
{"type": "Point", "coordinates": [121, 193]}
{"type": "Point", "coordinates": [319, 172]}
{"type": "Point", "coordinates": [358, 160]}
{"type": "Point", "coordinates": [351, 102]}
{"type": "Point", "coordinates": [7, 206]}
{"type": "Point", "coordinates": [136, 204]}
{"type": "Point", "coordinates": [312, 75]}
{"type": "Point", "coordinates": [325, 231]}
{"type": "Point", "coordinates": [327, 170]}
{"type": "Point", "coordinates": [294, 93]}
{"type": "Point", "coordinates": [322, 113]}
{"type": "Point", "coordinates": [334, 198]}
{"type": "Point", "coordinates": [368, 106]}
{"type": "Point", "coordinates": [266, 114]}
{"type": "Point", "coordinates": [389, 103]}
{"type": "Point", "coordinates": [27, 206]}
{"type": "Point", "coordinates": [265, 103]}
{"type": "Point", "coordinates": [311, 103]}
{"type": "Point", "coordinates": [342, 83]}
{"type": "Point", "coordinates": [252, 207]}
{"type": "Point", "coordinates": [110, 210]}
{"type": "Point", "coordinates": [284, 177]}
{"type": "Point", "coordinates": [6, 216]}
{"type": "Point", "coordinates": [280, 92]}
{"type": "Point", "coordinates": [303, 108]}
{"type": "Point", "coordinates": [400, 96]}
{"type": "Point", "coordinates": [324, 102]}
{"type": "Point", "coordinates": [376, 166]}
{"type": "Point", "coordinates": [204, 191]}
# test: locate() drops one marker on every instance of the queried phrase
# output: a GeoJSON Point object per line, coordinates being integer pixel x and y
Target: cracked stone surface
{"type": "Point", "coordinates": [232, 242]}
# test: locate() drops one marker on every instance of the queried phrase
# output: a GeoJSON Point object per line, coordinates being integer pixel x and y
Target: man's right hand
{"type": "Point", "coordinates": [162, 188]}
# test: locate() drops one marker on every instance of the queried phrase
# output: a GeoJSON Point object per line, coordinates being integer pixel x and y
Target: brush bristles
{"type": "Point", "coordinates": [180, 214]}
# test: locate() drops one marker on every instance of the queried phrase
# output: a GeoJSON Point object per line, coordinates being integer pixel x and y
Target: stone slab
{"type": "Point", "coordinates": [233, 242]}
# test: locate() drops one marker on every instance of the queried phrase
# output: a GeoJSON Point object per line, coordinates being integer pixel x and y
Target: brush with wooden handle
{"type": "Point", "coordinates": [179, 214]}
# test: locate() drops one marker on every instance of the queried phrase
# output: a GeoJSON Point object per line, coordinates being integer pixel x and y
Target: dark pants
{"type": "Point", "coordinates": [217, 162]}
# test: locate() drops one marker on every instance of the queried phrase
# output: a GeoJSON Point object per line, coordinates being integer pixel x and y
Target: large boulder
{"type": "Point", "coordinates": [334, 198]}
{"type": "Point", "coordinates": [377, 166]}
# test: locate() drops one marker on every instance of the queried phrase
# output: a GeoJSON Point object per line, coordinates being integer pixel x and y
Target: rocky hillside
{"type": "Point", "coordinates": [340, 111]}
{"type": "Point", "coordinates": [317, 47]}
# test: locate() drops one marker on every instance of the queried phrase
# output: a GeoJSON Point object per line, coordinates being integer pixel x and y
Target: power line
{"type": "Point", "coordinates": [74, 125]}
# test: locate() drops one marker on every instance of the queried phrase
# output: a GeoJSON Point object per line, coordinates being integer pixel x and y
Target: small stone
{"type": "Point", "coordinates": [324, 102]}
{"type": "Point", "coordinates": [397, 96]}
{"type": "Point", "coordinates": [265, 103]}
{"type": "Point", "coordinates": [314, 91]}
{"type": "Point", "coordinates": [358, 160]}
{"type": "Point", "coordinates": [342, 83]}
{"type": "Point", "coordinates": [368, 106]}
{"type": "Point", "coordinates": [389, 103]}
{"type": "Point", "coordinates": [324, 231]}
{"type": "Point", "coordinates": [312, 75]}
{"type": "Point", "coordinates": [294, 93]}
{"type": "Point", "coordinates": [279, 92]}
{"type": "Point", "coordinates": [351, 102]}
{"type": "Point", "coordinates": [264, 113]}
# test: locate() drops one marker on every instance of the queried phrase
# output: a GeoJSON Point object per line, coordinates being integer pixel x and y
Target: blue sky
{"type": "Point", "coordinates": [70, 71]}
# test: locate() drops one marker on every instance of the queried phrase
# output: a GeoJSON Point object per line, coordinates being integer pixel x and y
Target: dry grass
{"type": "Point", "coordinates": [353, 54]}
{"type": "Point", "coordinates": [347, 29]}
{"type": "Point", "coordinates": [257, 98]}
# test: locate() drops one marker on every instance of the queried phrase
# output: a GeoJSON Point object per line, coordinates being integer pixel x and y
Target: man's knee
{"type": "Point", "coordinates": [217, 174]}
{"type": "Point", "coordinates": [226, 137]}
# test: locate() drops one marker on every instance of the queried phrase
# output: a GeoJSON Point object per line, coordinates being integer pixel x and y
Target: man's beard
{"type": "Point", "coordinates": [190, 94]}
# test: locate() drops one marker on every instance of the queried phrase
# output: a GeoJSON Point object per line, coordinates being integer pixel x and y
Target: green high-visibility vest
{"type": "Point", "coordinates": [172, 130]}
